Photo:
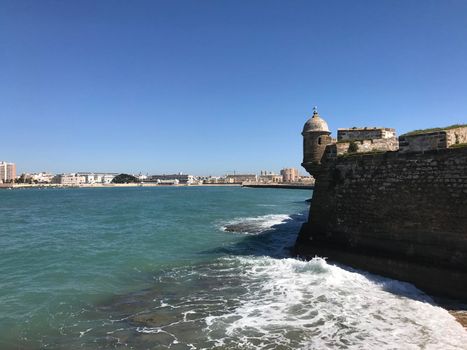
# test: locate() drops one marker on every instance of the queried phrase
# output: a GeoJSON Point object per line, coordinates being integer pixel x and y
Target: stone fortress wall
{"type": "Point", "coordinates": [365, 133]}
{"type": "Point", "coordinates": [399, 213]}
{"type": "Point", "coordinates": [366, 140]}
{"type": "Point", "coordinates": [421, 142]}
{"type": "Point", "coordinates": [365, 146]}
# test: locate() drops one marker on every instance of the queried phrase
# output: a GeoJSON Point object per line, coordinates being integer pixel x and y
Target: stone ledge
{"type": "Point", "coordinates": [432, 280]}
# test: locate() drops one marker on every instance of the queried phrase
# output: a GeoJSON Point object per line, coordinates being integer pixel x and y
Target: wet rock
{"type": "Point", "coordinates": [243, 227]}
{"type": "Point", "coordinates": [461, 316]}
{"type": "Point", "coordinates": [154, 319]}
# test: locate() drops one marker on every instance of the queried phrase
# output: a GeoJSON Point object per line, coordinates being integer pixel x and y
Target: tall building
{"type": "Point", "coordinates": [7, 172]}
{"type": "Point", "coordinates": [290, 175]}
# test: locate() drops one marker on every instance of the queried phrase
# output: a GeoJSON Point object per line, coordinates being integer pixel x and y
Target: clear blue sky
{"type": "Point", "coordinates": [208, 87]}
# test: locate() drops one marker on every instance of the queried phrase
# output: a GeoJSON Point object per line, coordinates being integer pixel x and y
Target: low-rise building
{"type": "Point", "coordinates": [72, 179]}
{"type": "Point", "coordinates": [42, 177]}
{"type": "Point", "coordinates": [107, 178]}
{"type": "Point", "coordinates": [7, 172]}
{"type": "Point", "coordinates": [270, 178]}
{"type": "Point", "coordinates": [167, 182]}
{"type": "Point", "coordinates": [183, 179]}
{"type": "Point", "coordinates": [97, 178]}
{"type": "Point", "coordinates": [240, 178]}
{"type": "Point", "coordinates": [309, 180]}
{"type": "Point", "coordinates": [212, 179]}
{"type": "Point", "coordinates": [141, 177]}
{"type": "Point", "coordinates": [24, 178]}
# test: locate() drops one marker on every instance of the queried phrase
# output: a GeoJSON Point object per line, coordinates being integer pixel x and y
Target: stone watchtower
{"type": "Point", "coordinates": [316, 136]}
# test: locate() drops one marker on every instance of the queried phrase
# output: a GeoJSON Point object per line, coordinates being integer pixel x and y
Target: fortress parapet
{"type": "Point", "coordinates": [433, 139]}
{"type": "Point", "coordinates": [318, 145]}
{"type": "Point", "coordinates": [354, 134]}
{"type": "Point", "coordinates": [364, 140]}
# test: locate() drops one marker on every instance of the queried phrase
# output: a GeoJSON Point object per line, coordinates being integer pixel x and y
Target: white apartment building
{"type": "Point", "coordinates": [107, 178]}
{"type": "Point", "coordinates": [97, 178]}
{"type": "Point", "coordinates": [70, 179]}
{"type": "Point", "coordinates": [42, 177]}
{"type": "Point", "coordinates": [183, 179]}
{"type": "Point", "coordinates": [141, 177]}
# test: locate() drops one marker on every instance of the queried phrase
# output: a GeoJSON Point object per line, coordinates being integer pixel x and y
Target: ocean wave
{"type": "Point", "coordinates": [314, 305]}
{"type": "Point", "coordinates": [245, 302]}
{"type": "Point", "coordinates": [255, 225]}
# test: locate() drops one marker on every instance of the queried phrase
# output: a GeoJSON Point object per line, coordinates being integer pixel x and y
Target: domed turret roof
{"type": "Point", "coordinates": [315, 123]}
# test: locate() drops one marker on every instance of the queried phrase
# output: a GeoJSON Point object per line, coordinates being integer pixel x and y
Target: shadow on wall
{"type": "Point", "coordinates": [277, 242]}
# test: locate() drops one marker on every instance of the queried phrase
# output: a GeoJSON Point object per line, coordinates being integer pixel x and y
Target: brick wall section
{"type": "Point", "coordinates": [409, 207]}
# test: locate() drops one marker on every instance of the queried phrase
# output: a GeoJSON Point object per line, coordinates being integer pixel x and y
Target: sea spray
{"type": "Point", "coordinates": [264, 302]}
{"type": "Point", "coordinates": [255, 225]}
{"type": "Point", "coordinates": [297, 304]}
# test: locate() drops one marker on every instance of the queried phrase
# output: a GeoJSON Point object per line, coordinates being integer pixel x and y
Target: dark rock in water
{"type": "Point", "coordinates": [244, 227]}
{"type": "Point", "coordinates": [154, 319]}
{"type": "Point", "coordinates": [308, 200]}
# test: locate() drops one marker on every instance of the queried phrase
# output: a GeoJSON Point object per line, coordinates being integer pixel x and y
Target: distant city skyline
{"type": "Point", "coordinates": [210, 87]}
{"type": "Point", "coordinates": [9, 178]}
{"type": "Point", "coordinates": [301, 172]}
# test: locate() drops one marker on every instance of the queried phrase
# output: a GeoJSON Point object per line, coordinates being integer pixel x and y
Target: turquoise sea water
{"type": "Point", "coordinates": [190, 268]}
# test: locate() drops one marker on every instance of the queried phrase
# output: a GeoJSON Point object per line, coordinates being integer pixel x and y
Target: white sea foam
{"type": "Point", "coordinates": [251, 302]}
{"type": "Point", "coordinates": [150, 330]}
{"type": "Point", "coordinates": [315, 305]}
{"type": "Point", "coordinates": [84, 332]}
{"type": "Point", "coordinates": [257, 224]}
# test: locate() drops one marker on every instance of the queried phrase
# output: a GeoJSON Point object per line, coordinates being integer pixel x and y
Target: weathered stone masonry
{"type": "Point", "coordinates": [402, 215]}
